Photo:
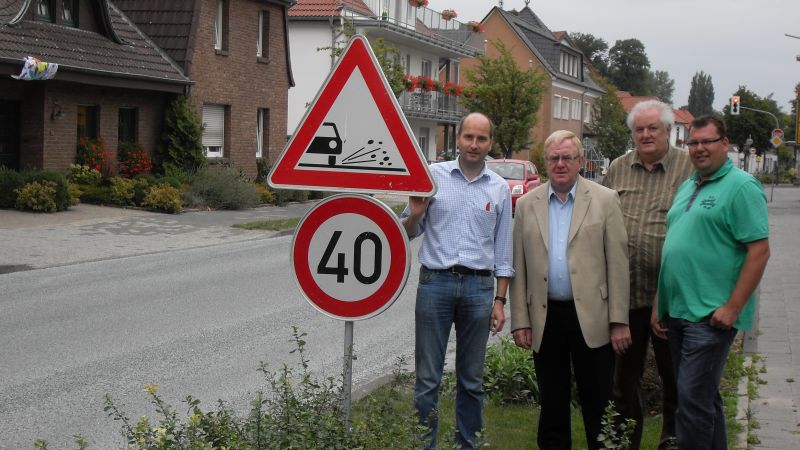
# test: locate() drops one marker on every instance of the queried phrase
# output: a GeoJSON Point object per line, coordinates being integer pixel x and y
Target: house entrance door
{"type": "Point", "coordinates": [9, 134]}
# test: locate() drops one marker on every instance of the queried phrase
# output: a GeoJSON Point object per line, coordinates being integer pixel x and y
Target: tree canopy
{"type": "Point", "coordinates": [661, 85]}
{"type": "Point", "coordinates": [628, 66]}
{"type": "Point", "coordinates": [510, 97]}
{"type": "Point", "coordinates": [595, 49]}
{"type": "Point", "coordinates": [608, 124]}
{"type": "Point", "coordinates": [701, 95]}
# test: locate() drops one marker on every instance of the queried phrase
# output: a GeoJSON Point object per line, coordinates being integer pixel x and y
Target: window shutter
{"type": "Point", "coordinates": [214, 125]}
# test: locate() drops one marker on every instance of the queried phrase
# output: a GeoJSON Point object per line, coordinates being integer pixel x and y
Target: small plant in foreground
{"type": "Point", "coordinates": [37, 196]}
{"type": "Point", "coordinates": [509, 377]}
{"type": "Point", "coordinates": [163, 197]}
{"type": "Point", "coordinates": [615, 434]}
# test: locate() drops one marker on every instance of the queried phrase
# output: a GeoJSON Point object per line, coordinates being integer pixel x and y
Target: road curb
{"type": "Point", "coordinates": [743, 407]}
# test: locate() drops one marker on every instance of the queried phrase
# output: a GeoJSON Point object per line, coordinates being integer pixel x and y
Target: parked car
{"type": "Point", "coordinates": [521, 176]}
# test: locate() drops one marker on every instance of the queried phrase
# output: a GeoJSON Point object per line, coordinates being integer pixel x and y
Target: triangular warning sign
{"type": "Point", "coordinates": [354, 136]}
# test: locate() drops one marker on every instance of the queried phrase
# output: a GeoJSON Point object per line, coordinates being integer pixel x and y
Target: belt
{"type": "Point", "coordinates": [463, 270]}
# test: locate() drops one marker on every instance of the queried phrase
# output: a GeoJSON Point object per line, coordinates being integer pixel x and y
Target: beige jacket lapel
{"type": "Point", "coordinates": [541, 209]}
{"type": "Point", "coordinates": [581, 206]}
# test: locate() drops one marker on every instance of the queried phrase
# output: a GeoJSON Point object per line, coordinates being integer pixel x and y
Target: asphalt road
{"type": "Point", "coordinates": [193, 321]}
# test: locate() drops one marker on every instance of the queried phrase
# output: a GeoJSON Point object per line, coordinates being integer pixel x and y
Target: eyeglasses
{"type": "Point", "coordinates": [567, 159]}
{"type": "Point", "coordinates": [705, 142]}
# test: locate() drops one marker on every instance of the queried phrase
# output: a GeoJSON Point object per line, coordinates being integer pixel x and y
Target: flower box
{"type": "Point", "coordinates": [448, 14]}
{"type": "Point", "coordinates": [418, 3]}
{"type": "Point", "coordinates": [474, 26]}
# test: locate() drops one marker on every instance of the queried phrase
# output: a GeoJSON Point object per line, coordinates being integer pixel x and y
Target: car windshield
{"type": "Point", "coordinates": [507, 170]}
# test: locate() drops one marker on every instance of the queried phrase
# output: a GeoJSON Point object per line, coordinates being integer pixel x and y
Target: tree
{"type": "Point", "coordinates": [629, 66]}
{"type": "Point", "coordinates": [510, 97]}
{"type": "Point", "coordinates": [388, 57]}
{"type": "Point", "coordinates": [752, 124]}
{"type": "Point", "coordinates": [595, 49]}
{"type": "Point", "coordinates": [701, 95]}
{"type": "Point", "coordinates": [661, 85]}
{"type": "Point", "coordinates": [608, 123]}
{"type": "Point", "coordinates": [182, 140]}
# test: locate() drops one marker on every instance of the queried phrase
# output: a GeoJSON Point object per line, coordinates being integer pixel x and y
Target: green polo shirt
{"type": "Point", "coordinates": [707, 227]}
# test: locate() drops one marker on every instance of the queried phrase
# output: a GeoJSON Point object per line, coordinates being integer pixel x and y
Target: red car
{"type": "Point", "coordinates": [521, 176]}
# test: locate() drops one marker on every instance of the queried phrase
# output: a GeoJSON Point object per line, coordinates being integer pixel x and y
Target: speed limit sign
{"type": "Point", "coordinates": [350, 257]}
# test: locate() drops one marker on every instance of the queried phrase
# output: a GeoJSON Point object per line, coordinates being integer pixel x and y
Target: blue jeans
{"type": "Point", "coordinates": [699, 352]}
{"type": "Point", "coordinates": [444, 299]}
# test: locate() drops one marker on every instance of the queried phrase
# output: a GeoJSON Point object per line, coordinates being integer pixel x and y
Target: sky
{"type": "Point", "coordinates": [737, 42]}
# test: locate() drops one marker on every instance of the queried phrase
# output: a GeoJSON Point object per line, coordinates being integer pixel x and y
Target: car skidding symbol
{"type": "Point", "coordinates": [327, 144]}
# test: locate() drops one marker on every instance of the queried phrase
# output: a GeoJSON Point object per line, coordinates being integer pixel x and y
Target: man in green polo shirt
{"type": "Point", "coordinates": [713, 258]}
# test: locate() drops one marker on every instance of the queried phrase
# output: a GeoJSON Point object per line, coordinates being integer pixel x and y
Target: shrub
{"type": "Point", "coordinates": [140, 188]}
{"type": "Point", "coordinates": [265, 195]}
{"type": "Point", "coordinates": [62, 197]}
{"type": "Point", "coordinates": [298, 411]}
{"type": "Point", "coordinates": [98, 195]}
{"type": "Point", "coordinates": [36, 196]}
{"type": "Point", "coordinates": [283, 196]}
{"type": "Point", "coordinates": [509, 376]}
{"type": "Point", "coordinates": [221, 188]}
{"type": "Point", "coordinates": [84, 175]}
{"type": "Point", "coordinates": [133, 160]}
{"type": "Point", "coordinates": [122, 191]}
{"type": "Point", "coordinates": [91, 152]}
{"type": "Point", "coordinates": [181, 143]}
{"type": "Point", "coordinates": [10, 180]}
{"type": "Point", "coordinates": [74, 192]}
{"type": "Point", "coordinates": [163, 197]}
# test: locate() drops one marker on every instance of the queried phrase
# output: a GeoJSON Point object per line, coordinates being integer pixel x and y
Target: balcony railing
{"type": "Point", "coordinates": [434, 105]}
{"type": "Point", "coordinates": [424, 23]}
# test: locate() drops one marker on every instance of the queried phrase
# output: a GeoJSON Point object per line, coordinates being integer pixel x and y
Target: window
{"type": "Point", "coordinates": [221, 26]}
{"type": "Point", "coordinates": [262, 132]}
{"type": "Point", "coordinates": [564, 108]}
{"type": "Point", "coordinates": [423, 139]}
{"type": "Point", "coordinates": [87, 121]}
{"type": "Point", "coordinates": [556, 106]}
{"type": "Point", "coordinates": [262, 50]}
{"type": "Point", "coordinates": [127, 125]}
{"type": "Point", "coordinates": [427, 68]}
{"type": "Point", "coordinates": [213, 130]}
{"type": "Point", "coordinates": [587, 112]}
{"type": "Point", "coordinates": [570, 64]}
{"type": "Point", "coordinates": [45, 10]}
{"type": "Point", "coordinates": [69, 9]}
{"type": "Point", "coordinates": [576, 109]}
{"type": "Point", "coordinates": [408, 63]}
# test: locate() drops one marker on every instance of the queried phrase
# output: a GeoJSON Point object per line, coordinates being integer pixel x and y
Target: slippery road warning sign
{"type": "Point", "coordinates": [354, 136]}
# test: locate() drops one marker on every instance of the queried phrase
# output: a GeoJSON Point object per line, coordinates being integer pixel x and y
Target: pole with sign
{"type": "Point", "coordinates": [350, 254]}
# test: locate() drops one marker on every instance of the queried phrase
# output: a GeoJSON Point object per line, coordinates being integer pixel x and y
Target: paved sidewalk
{"type": "Point", "coordinates": [778, 335]}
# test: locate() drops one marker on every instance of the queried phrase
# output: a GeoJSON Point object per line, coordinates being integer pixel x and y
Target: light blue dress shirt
{"type": "Point", "coordinates": [559, 283]}
{"type": "Point", "coordinates": [467, 223]}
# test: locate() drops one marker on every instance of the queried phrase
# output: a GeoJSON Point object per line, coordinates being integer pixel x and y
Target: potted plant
{"type": "Point", "coordinates": [448, 14]}
{"type": "Point", "coordinates": [475, 26]}
{"type": "Point", "coordinates": [418, 3]}
{"type": "Point", "coordinates": [426, 83]}
{"type": "Point", "coordinates": [410, 82]}
{"type": "Point", "coordinates": [451, 88]}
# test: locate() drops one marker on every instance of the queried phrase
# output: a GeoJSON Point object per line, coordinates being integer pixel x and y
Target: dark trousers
{"type": "Point", "coordinates": [563, 344]}
{"type": "Point", "coordinates": [628, 375]}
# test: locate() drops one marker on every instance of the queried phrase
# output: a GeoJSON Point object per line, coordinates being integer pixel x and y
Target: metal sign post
{"type": "Point", "coordinates": [347, 385]}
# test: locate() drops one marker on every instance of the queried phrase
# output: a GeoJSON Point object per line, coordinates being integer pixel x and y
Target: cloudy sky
{"type": "Point", "coordinates": [738, 42]}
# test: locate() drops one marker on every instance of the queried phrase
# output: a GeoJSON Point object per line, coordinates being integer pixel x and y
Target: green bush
{"type": "Point", "coordinates": [265, 195]}
{"type": "Point", "coordinates": [221, 188]}
{"type": "Point", "coordinates": [181, 143]}
{"type": "Point", "coordinates": [141, 186]}
{"type": "Point", "coordinates": [509, 376]}
{"type": "Point", "coordinates": [9, 181]}
{"type": "Point", "coordinates": [74, 193]}
{"type": "Point", "coordinates": [163, 197]}
{"type": "Point", "coordinates": [62, 197]}
{"type": "Point", "coordinates": [298, 411]}
{"type": "Point", "coordinates": [283, 196]}
{"type": "Point", "coordinates": [36, 196]}
{"type": "Point", "coordinates": [122, 191]}
{"type": "Point", "coordinates": [98, 195]}
{"type": "Point", "coordinates": [84, 175]}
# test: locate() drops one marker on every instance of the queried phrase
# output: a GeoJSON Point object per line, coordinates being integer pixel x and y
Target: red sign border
{"type": "Point", "coordinates": [286, 174]}
{"type": "Point", "coordinates": [395, 280]}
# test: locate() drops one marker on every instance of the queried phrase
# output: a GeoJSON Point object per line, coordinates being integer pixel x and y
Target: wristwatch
{"type": "Point", "coordinates": [500, 298]}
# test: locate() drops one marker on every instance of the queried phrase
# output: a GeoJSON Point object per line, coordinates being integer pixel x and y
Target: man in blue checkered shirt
{"type": "Point", "coordinates": [466, 245]}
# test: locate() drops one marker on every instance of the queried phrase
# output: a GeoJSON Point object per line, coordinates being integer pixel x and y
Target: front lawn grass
{"type": "Point", "coordinates": [288, 224]}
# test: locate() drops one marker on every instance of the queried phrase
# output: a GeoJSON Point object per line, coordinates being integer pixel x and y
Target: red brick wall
{"type": "Point", "coordinates": [236, 78]}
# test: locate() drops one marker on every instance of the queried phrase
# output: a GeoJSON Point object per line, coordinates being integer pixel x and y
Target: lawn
{"type": "Point", "coordinates": [288, 224]}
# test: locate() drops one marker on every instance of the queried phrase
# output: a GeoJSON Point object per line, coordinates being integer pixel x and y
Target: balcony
{"type": "Point", "coordinates": [398, 21]}
{"type": "Point", "coordinates": [431, 105]}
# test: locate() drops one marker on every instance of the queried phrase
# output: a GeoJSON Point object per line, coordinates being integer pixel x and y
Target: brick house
{"type": "Point", "coordinates": [570, 90]}
{"type": "Point", "coordinates": [112, 81]}
{"type": "Point", "coordinates": [236, 52]}
{"type": "Point", "coordinates": [121, 62]}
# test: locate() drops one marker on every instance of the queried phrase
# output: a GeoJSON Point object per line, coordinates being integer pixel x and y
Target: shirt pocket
{"type": "Point", "coordinates": [483, 221]}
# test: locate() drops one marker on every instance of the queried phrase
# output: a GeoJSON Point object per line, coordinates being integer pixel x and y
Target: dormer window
{"type": "Point", "coordinates": [68, 12]}
{"type": "Point", "coordinates": [45, 10]}
{"type": "Point", "coordinates": [570, 64]}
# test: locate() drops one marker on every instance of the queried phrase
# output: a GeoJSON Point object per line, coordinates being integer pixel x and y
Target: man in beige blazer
{"type": "Point", "coordinates": [569, 299]}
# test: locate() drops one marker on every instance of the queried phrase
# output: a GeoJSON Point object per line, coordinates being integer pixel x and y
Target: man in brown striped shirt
{"type": "Point", "coordinates": [646, 180]}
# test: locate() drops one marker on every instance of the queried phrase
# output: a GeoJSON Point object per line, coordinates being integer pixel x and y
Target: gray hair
{"type": "Point", "coordinates": [664, 110]}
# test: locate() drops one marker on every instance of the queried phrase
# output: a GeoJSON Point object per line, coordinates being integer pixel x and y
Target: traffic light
{"type": "Point", "coordinates": [735, 105]}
